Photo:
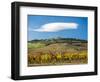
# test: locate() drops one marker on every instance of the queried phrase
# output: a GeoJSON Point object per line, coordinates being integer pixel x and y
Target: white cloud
{"type": "Point", "coordinates": [55, 27]}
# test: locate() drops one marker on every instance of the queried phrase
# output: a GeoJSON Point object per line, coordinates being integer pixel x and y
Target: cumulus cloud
{"type": "Point", "coordinates": [55, 27]}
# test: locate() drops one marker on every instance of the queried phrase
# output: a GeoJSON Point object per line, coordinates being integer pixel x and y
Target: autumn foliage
{"type": "Point", "coordinates": [57, 53]}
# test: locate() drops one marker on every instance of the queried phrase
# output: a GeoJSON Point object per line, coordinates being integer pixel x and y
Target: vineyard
{"type": "Point", "coordinates": [57, 52]}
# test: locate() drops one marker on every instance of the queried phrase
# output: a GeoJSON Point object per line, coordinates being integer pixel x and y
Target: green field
{"type": "Point", "coordinates": [58, 51]}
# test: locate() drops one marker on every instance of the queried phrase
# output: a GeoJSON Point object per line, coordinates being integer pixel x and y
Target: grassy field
{"type": "Point", "coordinates": [60, 51]}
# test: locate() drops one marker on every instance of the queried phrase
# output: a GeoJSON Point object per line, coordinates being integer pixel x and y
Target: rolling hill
{"type": "Point", "coordinates": [57, 51]}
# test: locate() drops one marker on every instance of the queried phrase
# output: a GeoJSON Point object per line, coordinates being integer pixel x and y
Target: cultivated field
{"type": "Point", "coordinates": [58, 51]}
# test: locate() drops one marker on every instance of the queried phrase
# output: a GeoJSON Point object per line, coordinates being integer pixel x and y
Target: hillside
{"type": "Point", "coordinates": [57, 51]}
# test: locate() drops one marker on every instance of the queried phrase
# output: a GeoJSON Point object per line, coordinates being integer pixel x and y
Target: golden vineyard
{"type": "Point", "coordinates": [59, 53]}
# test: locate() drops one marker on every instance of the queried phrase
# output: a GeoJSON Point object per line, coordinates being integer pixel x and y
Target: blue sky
{"type": "Point", "coordinates": [44, 27]}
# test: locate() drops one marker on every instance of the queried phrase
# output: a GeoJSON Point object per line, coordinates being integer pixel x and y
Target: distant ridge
{"type": "Point", "coordinates": [58, 40]}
